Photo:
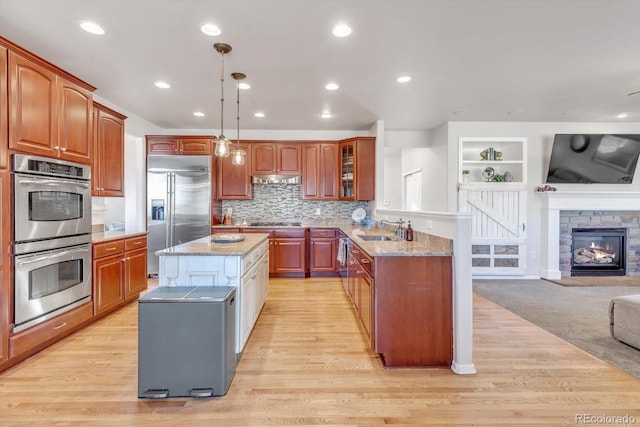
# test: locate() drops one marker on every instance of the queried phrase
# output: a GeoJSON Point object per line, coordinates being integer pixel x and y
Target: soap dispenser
{"type": "Point", "coordinates": [408, 233]}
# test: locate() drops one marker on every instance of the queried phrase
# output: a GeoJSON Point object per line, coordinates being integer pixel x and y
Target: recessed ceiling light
{"type": "Point", "coordinates": [162, 85]}
{"type": "Point", "coordinates": [210, 29]}
{"type": "Point", "coordinates": [331, 86]}
{"type": "Point", "coordinates": [622, 115]}
{"type": "Point", "coordinates": [92, 27]}
{"type": "Point", "coordinates": [259, 114]}
{"type": "Point", "coordinates": [326, 115]}
{"type": "Point", "coordinates": [244, 86]}
{"type": "Point", "coordinates": [198, 114]}
{"type": "Point", "coordinates": [403, 79]}
{"type": "Point", "coordinates": [341, 30]}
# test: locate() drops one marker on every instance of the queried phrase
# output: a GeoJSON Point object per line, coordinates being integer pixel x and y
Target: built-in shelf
{"type": "Point", "coordinates": [509, 155]}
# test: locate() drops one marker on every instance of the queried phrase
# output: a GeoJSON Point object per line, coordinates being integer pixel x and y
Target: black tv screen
{"type": "Point", "coordinates": [593, 158]}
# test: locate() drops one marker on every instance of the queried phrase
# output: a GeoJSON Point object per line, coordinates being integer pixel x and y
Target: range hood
{"type": "Point", "coordinates": [275, 179]}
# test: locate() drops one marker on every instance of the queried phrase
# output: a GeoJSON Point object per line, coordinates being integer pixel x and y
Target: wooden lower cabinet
{"type": "Point", "coordinates": [289, 252]}
{"type": "Point", "coordinates": [119, 275]}
{"type": "Point", "coordinates": [44, 334]}
{"type": "Point", "coordinates": [412, 310]}
{"type": "Point", "coordinates": [322, 252]}
{"type": "Point", "coordinates": [404, 305]}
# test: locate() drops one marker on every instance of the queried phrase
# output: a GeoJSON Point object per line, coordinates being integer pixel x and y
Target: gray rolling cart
{"type": "Point", "coordinates": [186, 341]}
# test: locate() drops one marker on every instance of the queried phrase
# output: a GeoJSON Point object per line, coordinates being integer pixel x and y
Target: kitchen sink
{"type": "Point", "coordinates": [375, 237]}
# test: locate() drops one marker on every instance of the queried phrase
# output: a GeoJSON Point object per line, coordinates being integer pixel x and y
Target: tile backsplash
{"type": "Point", "coordinates": [284, 202]}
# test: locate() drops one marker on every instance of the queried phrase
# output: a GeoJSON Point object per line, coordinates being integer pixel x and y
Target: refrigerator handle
{"type": "Point", "coordinates": [170, 208]}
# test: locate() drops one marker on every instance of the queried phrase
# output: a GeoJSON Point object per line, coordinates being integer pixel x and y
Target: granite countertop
{"type": "Point", "coordinates": [423, 244]}
{"type": "Point", "coordinates": [104, 236]}
{"type": "Point", "coordinates": [206, 247]}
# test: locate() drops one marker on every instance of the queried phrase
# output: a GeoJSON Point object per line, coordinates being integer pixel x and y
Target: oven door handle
{"type": "Point", "coordinates": [50, 255]}
{"type": "Point", "coordinates": [54, 182]}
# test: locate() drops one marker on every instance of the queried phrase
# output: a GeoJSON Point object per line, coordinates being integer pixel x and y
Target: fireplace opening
{"type": "Point", "coordinates": [598, 251]}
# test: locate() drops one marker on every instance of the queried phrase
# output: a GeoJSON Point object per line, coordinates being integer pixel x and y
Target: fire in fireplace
{"type": "Point", "coordinates": [598, 252]}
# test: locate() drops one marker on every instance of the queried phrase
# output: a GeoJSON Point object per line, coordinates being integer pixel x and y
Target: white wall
{"type": "Point", "coordinates": [540, 139]}
{"type": "Point", "coordinates": [392, 184]}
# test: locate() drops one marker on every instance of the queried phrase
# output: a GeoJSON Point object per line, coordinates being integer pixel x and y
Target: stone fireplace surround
{"type": "Point", "coordinates": [563, 210]}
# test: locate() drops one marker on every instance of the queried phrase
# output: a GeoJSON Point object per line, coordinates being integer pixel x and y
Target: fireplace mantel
{"type": "Point", "coordinates": [555, 201]}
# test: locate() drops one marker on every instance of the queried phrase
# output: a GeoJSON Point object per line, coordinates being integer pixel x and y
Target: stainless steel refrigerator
{"type": "Point", "coordinates": [178, 202]}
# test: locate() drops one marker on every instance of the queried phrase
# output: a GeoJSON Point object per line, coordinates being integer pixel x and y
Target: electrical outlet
{"type": "Point", "coordinates": [532, 254]}
{"type": "Point", "coordinates": [429, 224]}
{"type": "Point", "coordinates": [318, 211]}
{"type": "Point", "coordinates": [386, 203]}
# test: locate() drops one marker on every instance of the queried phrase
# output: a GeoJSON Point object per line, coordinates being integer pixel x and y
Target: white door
{"type": "Point", "coordinates": [413, 191]}
{"type": "Point", "coordinates": [498, 227]}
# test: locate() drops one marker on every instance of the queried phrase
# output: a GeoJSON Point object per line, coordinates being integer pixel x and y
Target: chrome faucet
{"type": "Point", "coordinates": [399, 231]}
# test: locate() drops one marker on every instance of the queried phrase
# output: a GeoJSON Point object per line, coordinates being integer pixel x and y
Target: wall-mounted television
{"type": "Point", "coordinates": [593, 158]}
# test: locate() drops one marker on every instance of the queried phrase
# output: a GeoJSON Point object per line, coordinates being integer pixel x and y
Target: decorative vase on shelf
{"type": "Point", "coordinates": [488, 173]}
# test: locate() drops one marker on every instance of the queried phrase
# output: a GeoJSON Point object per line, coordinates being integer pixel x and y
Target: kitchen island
{"type": "Point", "coordinates": [238, 260]}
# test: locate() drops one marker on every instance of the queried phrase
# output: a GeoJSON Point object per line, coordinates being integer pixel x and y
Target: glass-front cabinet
{"type": "Point", "coordinates": [347, 170]}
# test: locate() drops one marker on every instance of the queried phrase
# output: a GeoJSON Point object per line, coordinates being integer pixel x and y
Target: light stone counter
{"type": "Point", "coordinates": [423, 244]}
{"type": "Point", "coordinates": [206, 247]}
{"type": "Point", "coordinates": [104, 236]}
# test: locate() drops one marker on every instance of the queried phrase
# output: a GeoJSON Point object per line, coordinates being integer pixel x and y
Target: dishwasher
{"type": "Point", "coordinates": [186, 341]}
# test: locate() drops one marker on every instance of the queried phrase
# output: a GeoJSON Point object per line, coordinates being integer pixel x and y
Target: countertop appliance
{"type": "Point", "coordinates": [178, 203]}
{"type": "Point", "coordinates": [52, 249]}
{"type": "Point", "coordinates": [186, 341]}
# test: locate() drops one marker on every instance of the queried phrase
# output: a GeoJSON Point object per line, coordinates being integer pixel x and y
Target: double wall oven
{"type": "Point", "coordinates": [52, 238]}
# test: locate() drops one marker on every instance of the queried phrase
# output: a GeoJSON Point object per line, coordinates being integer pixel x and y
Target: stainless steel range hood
{"type": "Point", "coordinates": [275, 179]}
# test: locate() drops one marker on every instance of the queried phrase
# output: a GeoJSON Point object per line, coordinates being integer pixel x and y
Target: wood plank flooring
{"type": "Point", "coordinates": [306, 364]}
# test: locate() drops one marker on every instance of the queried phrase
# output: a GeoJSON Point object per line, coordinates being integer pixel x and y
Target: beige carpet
{"type": "Point", "coordinates": [598, 281]}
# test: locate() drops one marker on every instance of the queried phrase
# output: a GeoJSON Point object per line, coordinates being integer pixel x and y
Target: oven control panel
{"type": "Point", "coordinates": [44, 166]}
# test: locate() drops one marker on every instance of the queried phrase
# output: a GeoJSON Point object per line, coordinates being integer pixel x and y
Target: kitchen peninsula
{"type": "Point", "coordinates": [239, 260]}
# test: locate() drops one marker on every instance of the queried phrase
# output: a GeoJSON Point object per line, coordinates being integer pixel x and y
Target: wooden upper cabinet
{"type": "Point", "coordinates": [49, 115]}
{"type": "Point", "coordinates": [234, 181]}
{"type": "Point", "coordinates": [320, 171]}
{"type": "Point", "coordinates": [76, 122]}
{"type": "Point", "coordinates": [4, 111]}
{"type": "Point", "coordinates": [179, 145]}
{"type": "Point", "coordinates": [269, 158]}
{"type": "Point", "coordinates": [357, 168]}
{"type": "Point", "coordinates": [108, 161]}
{"type": "Point", "coordinates": [33, 123]}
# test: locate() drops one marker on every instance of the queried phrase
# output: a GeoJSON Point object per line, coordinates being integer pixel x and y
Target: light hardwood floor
{"type": "Point", "coordinates": [306, 364]}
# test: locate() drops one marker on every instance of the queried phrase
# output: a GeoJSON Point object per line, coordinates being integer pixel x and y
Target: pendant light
{"type": "Point", "coordinates": [222, 143]}
{"type": "Point", "coordinates": [239, 153]}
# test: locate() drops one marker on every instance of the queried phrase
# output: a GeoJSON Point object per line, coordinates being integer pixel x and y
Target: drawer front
{"type": "Point", "coordinates": [111, 247]}
{"type": "Point", "coordinates": [323, 232]}
{"type": "Point", "coordinates": [365, 260]}
{"type": "Point", "coordinates": [289, 232]}
{"type": "Point", "coordinates": [135, 243]}
{"type": "Point", "coordinates": [50, 330]}
{"type": "Point", "coordinates": [268, 231]}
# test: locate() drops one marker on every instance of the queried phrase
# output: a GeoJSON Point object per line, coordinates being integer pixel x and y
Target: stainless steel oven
{"type": "Point", "coordinates": [52, 238]}
{"type": "Point", "coordinates": [51, 198]}
{"type": "Point", "coordinates": [48, 283]}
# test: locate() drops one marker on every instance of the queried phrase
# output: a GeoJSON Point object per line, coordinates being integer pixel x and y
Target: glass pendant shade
{"type": "Point", "coordinates": [239, 153]}
{"type": "Point", "coordinates": [222, 143]}
{"type": "Point", "coordinates": [222, 147]}
{"type": "Point", "coordinates": [238, 157]}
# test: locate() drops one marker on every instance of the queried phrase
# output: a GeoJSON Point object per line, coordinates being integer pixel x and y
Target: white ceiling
{"type": "Point", "coordinates": [500, 60]}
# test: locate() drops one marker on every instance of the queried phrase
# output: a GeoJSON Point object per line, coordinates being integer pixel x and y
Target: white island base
{"type": "Point", "coordinates": [243, 265]}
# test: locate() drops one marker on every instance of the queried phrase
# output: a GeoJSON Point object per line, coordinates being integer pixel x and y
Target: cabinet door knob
{"type": "Point", "coordinates": [63, 149]}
